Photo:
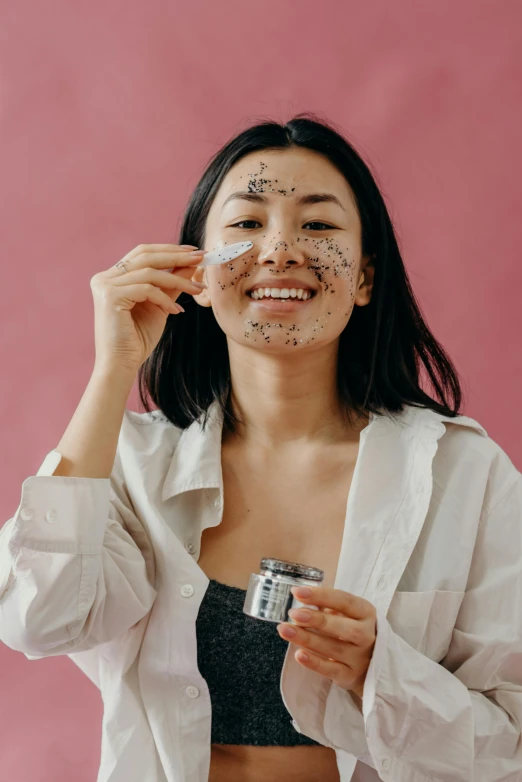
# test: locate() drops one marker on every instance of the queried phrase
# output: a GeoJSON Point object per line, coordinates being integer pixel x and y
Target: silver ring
{"type": "Point", "coordinates": [121, 265]}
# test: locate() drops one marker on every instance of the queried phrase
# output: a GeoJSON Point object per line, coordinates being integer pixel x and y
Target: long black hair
{"type": "Point", "coordinates": [383, 349]}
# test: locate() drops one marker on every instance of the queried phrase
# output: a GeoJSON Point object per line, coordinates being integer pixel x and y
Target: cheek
{"type": "Point", "coordinates": [334, 264]}
{"type": "Point", "coordinates": [222, 280]}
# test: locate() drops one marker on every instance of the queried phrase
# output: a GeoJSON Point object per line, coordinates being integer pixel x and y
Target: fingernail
{"type": "Point", "coordinates": [196, 253]}
{"type": "Point", "coordinates": [199, 285]}
{"type": "Point", "coordinates": [301, 591]}
{"type": "Point", "coordinates": [179, 308]}
{"type": "Point", "coordinates": [288, 631]}
{"type": "Point", "coordinates": [189, 246]}
{"type": "Point", "coordinates": [300, 616]}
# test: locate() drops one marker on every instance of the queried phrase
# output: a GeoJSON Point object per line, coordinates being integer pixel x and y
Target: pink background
{"type": "Point", "coordinates": [109, 112]}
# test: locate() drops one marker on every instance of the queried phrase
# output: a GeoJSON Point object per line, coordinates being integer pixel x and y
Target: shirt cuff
{"type": "Point", "coordinates": [61, 514]}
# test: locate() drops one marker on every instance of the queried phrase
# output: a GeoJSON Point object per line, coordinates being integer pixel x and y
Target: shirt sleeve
{"type": "Point", "coordinates": [460, 719]}
{"type": "Point", "coordinates": [71, 575]}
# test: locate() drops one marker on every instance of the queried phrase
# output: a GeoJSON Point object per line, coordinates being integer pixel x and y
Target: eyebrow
{"type": "Point", "coordinates": [311, 198]}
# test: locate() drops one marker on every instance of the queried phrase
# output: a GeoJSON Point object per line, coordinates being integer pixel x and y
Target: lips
{"type": "Point", "coordinates": [283, 294]}
{"type": "Point", "coordinates": [282, 282]}
{"type": "Point", "coordinates": [280, 305]}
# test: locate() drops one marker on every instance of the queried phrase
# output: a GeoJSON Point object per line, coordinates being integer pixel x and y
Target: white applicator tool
{"type": "Point", "coordinates": [224, 255]}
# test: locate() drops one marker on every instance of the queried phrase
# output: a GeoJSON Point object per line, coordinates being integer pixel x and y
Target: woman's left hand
{"type": "Point", "coordinates": [337, 640]}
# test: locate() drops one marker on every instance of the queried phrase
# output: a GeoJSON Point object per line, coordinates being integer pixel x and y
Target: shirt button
{"type": "Point", "coordinates": [192, 692]}
{"type": "Point", "coordinates": [385, 764]}
{"type": "Point", "coordinates": [50, 516]}
{"type": "Point", "coordinates": [191, 548]}
{"type": "Point", "coordinates": [27, 514]}
{"type": "Point", "coordinates": [187, 590]}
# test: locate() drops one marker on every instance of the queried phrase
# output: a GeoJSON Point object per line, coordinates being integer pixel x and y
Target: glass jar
{"type": "Point", "coordinates": [268, 596]}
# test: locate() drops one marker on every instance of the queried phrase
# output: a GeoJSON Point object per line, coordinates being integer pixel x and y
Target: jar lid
{"type": "Point", "coordinates": [294, 569]}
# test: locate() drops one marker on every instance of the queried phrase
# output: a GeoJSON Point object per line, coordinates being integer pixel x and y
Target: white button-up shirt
{"type": "Point", "coordinates": [105, 571]}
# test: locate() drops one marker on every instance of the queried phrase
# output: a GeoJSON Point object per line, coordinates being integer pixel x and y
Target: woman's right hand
{"type": "Point", "coordinates": [131, 308]}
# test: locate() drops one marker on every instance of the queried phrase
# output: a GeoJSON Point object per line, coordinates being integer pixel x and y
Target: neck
{"type": "Point", "coordinates": [290, 400]}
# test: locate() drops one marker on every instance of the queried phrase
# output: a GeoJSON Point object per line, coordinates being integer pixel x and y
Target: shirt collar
{"type": "Point", "coordinates": [196, 462]}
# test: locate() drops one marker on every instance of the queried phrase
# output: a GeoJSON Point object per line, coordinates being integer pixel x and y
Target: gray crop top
{"type": "Point", "coordinates": [241, 659]}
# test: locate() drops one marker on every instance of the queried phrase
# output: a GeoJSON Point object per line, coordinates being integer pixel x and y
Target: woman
{"type": "Point", "coordinates": [291, 423]}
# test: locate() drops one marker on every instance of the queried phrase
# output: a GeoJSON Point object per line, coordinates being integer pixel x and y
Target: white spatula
{"type": "Point", "coordinates": [224, 254]}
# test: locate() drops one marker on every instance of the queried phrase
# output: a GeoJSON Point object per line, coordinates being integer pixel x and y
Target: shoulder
{"type": "Point", "coordinates": [148, 431]}
{"type": "Point", "coordinates": [146, 419]}
{"type": "Point", "coordinates": [466, 452]}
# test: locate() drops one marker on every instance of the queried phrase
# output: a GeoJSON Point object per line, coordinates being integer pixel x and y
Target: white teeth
{"type": "Point", "coordinates": [281, 293]}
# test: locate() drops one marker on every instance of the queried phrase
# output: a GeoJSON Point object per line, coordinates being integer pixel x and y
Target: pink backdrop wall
{"type": "Point", "coordinates": [109, 112]}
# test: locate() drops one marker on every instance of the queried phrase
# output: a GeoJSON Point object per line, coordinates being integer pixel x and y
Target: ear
{"type": "Point", "coordinates": [365, 286]}
{"type": "Point", "coordinates": [203, 298]}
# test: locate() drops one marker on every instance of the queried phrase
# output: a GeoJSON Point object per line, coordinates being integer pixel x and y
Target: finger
{"type": "Point", "coordinates": [174, 246]}
{"type": "Point", "coordinates": [324, 597]}
{"type": "Point", "coordinates": [137, 294]}
{"type": "Point", "coordinates": [160, 279]}
{"type": "Point", "coordinates": [334, 625]}
{"type": "Point", "coordinates": [162, 248]}
{"type": "Point", "coordinates": [158, 260]}
{"type": "Point", "coordinates": [322, 644]}
{"type": "Point", "coordinates": [339, 673]}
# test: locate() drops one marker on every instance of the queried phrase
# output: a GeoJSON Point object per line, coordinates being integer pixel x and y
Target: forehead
{"type": "Point", "coordinates": [285, 172]}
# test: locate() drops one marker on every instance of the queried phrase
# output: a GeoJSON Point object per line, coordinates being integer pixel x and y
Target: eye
{"type": "Point", "coordinates": [238, 225]}
{"type": "Point", "coordinates": [324, 228]}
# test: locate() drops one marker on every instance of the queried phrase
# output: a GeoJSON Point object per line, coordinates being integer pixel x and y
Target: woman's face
{"type": "Point", "coordinates": [315, 244]}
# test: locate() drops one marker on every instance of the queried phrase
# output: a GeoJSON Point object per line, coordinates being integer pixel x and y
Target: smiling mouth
{"type": "Point", "coordinates": [281, 294]}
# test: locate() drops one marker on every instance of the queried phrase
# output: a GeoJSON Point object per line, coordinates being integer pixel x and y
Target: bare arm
{"type": "Point", "coordinates": [88, 446]}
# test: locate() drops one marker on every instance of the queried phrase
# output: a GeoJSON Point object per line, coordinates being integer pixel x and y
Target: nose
{"type": "Point", "coordinates": [281, 254]}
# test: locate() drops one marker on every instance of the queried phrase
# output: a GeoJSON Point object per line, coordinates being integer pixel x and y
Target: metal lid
{"type": "Point", "coordinates": [294, 569]}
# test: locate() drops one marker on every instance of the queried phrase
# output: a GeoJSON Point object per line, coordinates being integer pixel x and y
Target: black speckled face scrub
{"type": "Point", "coordinates": [317, 242]}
